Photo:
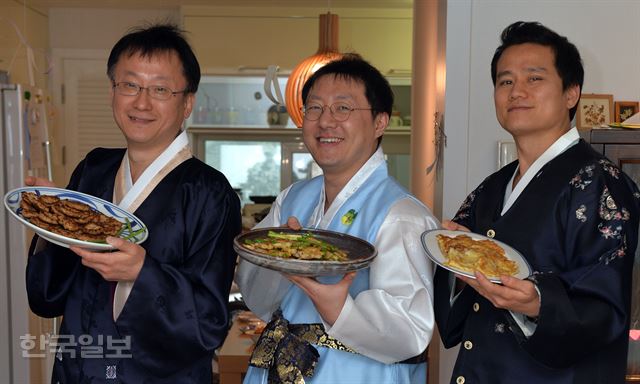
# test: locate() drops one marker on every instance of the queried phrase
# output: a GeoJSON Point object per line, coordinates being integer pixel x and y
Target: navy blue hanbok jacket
{"type": "Point", "coordinates": [176, 314]}
{"type": "Point", "coordinates": [576, 223]}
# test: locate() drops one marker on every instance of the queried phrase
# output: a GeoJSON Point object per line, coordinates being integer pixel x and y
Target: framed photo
{"type": "Point", "coordinates": [594, 110]}
{"type": "Point", "coordinates": [625, 109]}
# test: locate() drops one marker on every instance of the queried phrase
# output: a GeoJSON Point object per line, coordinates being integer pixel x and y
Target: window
{"type": "Point", "coordinates": [256, 162]}
{"type": "Point", "coordinates": [252, 167]}
{"type": "Point", "coordinates": [263, 162]}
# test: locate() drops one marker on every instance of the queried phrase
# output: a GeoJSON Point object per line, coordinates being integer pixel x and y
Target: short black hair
{"type": "Point", "coordinates": [352, 66]}
{"type": "Point", "coordinates": [568, 62]}
{"type": "Point", "coordinates": [154, 39]}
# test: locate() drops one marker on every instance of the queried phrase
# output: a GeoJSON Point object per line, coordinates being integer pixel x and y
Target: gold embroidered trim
{"type": "Point", "coordinates": [287, 350]}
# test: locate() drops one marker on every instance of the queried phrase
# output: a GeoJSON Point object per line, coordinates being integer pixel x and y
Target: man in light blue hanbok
{"type": "Point", "coordinates": [370, 326]}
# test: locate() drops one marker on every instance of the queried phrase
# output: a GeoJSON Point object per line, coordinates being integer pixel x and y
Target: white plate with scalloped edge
{"type": "Point", "coordinates": [135, 231]}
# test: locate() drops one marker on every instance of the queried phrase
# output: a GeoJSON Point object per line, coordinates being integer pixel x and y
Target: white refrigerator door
{"type": "Point", "coordinates": [23, 147]}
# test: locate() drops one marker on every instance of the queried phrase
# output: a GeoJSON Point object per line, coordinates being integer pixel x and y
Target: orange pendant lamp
{"type": "Point", "coordinates": [328, 51]}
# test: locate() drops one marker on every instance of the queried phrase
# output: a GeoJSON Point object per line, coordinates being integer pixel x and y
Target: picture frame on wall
{"type": "Point", "coordinates": [625, 109]}
{"type": "Point", "coordinates": [594, 110]}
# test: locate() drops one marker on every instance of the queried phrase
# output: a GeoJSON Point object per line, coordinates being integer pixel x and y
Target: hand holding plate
{"type": "Point", "coordinates": [124, 264]}
{"type": "Point", "coordinates": [293, 223]}
{"type": "Point", "coordinates": [513, 294]}
{"type": "Point", "coordinates": [327, 298]}
{"type": "Point", "coordinates": [38, 182]}
{"type": "Point", "coordinates": [453, 226]}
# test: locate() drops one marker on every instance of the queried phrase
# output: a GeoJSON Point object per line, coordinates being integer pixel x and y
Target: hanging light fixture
{"type": "Point", "coordinates": [327, 51]}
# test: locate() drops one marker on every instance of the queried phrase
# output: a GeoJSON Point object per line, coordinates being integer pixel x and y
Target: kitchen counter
{"type": "Point", "coordinates": [233, 356]}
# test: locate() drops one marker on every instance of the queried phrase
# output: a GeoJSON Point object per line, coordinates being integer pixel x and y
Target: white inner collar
{"type": "Point", "coordinates": [320, 219]}
{"type": "Point", "coordinates": [563, 143]}
{"type": "Point", "coordinates": [133, 190]}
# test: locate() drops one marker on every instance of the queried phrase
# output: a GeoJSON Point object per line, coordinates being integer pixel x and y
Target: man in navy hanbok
{"type": "Point", "coordinates": [569, 211]}
{"type": "Point", "coordinates": [154, 312]}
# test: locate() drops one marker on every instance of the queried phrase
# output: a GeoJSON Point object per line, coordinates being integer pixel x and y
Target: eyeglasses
{"type": "Point", "coordinates": [159, 92]}
{"type": "Point", "coordinates": [339, 111]}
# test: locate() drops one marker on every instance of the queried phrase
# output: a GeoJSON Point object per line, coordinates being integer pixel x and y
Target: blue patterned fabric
{"type": "Point", "coordinates": [370, 205]}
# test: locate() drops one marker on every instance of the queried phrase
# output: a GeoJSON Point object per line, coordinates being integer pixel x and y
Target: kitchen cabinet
{"type": "Point", "coordinates": [622, 146]}
{"type": "Point", "coordinates": [254, 37]}
{"type": "Point", "coordinates": [236, 101]}
{"type": "Point", "coordinates": [239, 101]}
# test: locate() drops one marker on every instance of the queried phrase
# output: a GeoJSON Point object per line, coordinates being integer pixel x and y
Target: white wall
{"type": "Point", "coordinates": [91, 28]}
{"type": "Point", "coordinates": [605, 31]}
{"type": "Point", "coordinates": [16, 20]}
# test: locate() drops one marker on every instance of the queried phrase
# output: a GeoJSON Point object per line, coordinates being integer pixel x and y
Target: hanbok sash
{"type": "Point", "coordinates": [130, 196]}
{"type": "Point", "coordinates": [287, 350]}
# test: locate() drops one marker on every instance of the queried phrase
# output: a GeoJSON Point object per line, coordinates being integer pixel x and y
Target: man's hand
{"type": "Point", "coordinates": [293, 223]}
{"type": "Point", "coordinates": [33, 181]}
{"type": "Point", "coordinates": [514, 294]}
{"type": "Point", "coordinates": [124, 264]}
{"type": "Point", "coordinates": [453, 226]}
{"type": "Point", "coordinates": [327, 298]}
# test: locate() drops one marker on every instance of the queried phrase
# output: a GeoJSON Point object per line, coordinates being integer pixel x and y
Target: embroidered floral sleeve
{"type": "Point", "coordinates": [583, 178]}
{"type": "Point", "coordinates": [611, 217]}
{"type": "Point", "coordinates": [464, 212]}
{"type": "Point", "coordinates": [610, 225]}
{"type": "Point", "coordinates": [585, 289]}
{"type": "Point", "coordinates": [610, 168]}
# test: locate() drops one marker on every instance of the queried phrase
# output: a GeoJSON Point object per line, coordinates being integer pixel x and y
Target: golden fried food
{"type": "Point", "coordinates": [296, 246]}
{"type": "Point", "coordinates": [68, 218]}
{"type": "Point", "coordinates": [466, 254]}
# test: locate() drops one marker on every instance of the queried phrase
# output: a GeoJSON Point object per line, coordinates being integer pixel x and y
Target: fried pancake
{"type": "Point", "coordinates": [68, 218]}
{"type": "Point", "coordinates": [466, 254]}
{"type": "Point", "coordinates": [304, 246]}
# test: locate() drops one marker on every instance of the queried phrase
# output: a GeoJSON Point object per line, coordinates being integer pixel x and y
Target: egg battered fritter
{"type": "Point", "coordinates": [464, 253]}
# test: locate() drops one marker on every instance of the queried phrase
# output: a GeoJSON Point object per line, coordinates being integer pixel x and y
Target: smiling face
{"type": "Point", "coordinates": [528, 93]}
{"type": "Point", "coordinates": [341, 147]}
{"type": "Point", "coordinates": [148, 123]}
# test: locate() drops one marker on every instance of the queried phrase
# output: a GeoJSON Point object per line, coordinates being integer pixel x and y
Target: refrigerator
{"type": "Point", "coordinates": [26, 115]}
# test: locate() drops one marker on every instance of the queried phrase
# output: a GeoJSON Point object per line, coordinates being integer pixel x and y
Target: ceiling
{"type": "Point", "coordinates": [44, 5]}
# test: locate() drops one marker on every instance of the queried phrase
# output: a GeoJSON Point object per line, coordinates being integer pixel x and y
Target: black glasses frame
{"type": "Point", "coordinates": [139, 88]}
{"type": "Point", "coordinates": [332, 111]}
